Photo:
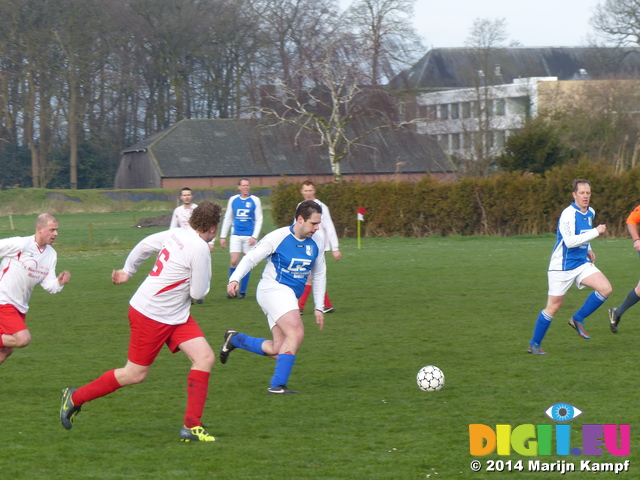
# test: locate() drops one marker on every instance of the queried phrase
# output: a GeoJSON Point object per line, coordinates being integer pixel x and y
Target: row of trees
{"type": "Point", "coordinates": [82, 79]}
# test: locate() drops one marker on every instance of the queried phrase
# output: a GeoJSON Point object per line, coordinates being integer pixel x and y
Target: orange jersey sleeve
{"type": "Point", "coordinates": [634, 217]}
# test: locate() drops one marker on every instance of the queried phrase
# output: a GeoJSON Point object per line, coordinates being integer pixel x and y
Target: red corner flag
{"type": "Point", "coordinates": [361, 212]}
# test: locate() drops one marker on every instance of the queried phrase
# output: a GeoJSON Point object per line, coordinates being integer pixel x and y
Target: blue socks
{"type": "Point", "coordinates": [284, 365]}
{"type": "Point", "coordinates": [250, 344]}
{"type": "Point", "coordinates": [542, 325]}
{"type": "Point", "coordinates": [591, 304]}
{"type": "Point", "coordinates": [284, 362]}
{"type": "Point", "coordinates": [244, 283]}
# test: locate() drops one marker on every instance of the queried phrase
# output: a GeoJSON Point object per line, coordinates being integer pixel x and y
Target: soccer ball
{"type": "Point", "coordinates": [430, 378]}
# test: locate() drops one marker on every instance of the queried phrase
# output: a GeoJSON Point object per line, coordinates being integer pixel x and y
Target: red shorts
{"type": "Point", "coordinates": [12, 320]}
{"type": "Point", "coordinates": [148, 336]}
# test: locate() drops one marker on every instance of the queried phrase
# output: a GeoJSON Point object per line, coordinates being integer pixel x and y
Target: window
{"type": "Point", "coordinates": [499, 106]}
{"type": "Point", "coordinates": [455, 141]}
{"type": "Point", "coordinates": [519, 105]}
{"type": "Point", "coordinates": [466, 141]}
{"type": "Point", "coordinates": [466, 110]}
{"type": "Point", "coordinates": [454, 111]}
{"type": "Point", "coordinates": [443, 112]}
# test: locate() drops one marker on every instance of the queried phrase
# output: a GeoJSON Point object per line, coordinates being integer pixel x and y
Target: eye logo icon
{"type": "Point", "coordinates": [562, 412]}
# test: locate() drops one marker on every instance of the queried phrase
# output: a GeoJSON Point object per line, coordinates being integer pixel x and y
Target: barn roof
{"type": "Point", "coordinates": [448, 68]}
{"type": "Point", "coordinates": [250, 147]}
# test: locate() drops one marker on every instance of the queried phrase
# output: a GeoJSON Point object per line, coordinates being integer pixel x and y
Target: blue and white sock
{"type": "Point", "coordinates": [541, 327]}
{"type": "Point", "coordinates": [591, 304]}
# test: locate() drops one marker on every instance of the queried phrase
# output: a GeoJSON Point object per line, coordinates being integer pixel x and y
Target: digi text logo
{"type": "Point", "coordinates": [535, 440]}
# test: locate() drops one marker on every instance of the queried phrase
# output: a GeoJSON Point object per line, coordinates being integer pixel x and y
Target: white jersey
{"type": "Point", "coordinates": [327, 228]}
{"type": "Point", "coordinates": [181, 216]}
{"type": "Point", "coordinates": [24, 266]}
{"type": "Point", "coordinates": [290, 262]}
{"type": "Point", "coordinates": [182, 271]}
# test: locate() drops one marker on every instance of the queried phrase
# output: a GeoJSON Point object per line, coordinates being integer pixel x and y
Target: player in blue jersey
{"type": "Point", "coordinates": [572, 262]}
{"type": "Point", "coordinates": [244, 218]}
{"type": "Point", "coordinates": [293, 254]}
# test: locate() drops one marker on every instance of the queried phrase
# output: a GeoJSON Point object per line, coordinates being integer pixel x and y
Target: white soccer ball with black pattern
{"type": "Point", "coordinates": [430, 378]}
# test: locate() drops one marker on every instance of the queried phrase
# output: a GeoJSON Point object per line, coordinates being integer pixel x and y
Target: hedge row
{"type": "Point", "coordinates": [508, 204]}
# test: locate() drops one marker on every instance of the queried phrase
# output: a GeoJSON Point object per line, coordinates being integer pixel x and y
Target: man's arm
{"type": "Point", "coordinates": [262, 250]}
{"type": "Point", "coordinates": [257, 226]}
{"type": "Point", "coordinates": [53, 283]}
{"type": "Point", "coordinates": [567, 226]}
{"type": "Point", "coordinates": [226, 223]}
{"type": "Point", "coordinates": [200, 274]}
{"type": "Point", "coordinates": [174, 219]}
{"type": "Point", "coordinates": [329, 229]}
{"type": "Point", "coordinates": [143, 250]}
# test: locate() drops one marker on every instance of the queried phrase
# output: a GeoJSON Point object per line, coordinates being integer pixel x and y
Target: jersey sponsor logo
{"type": "Point", "coordinates": [242, 213]}
{"type": "Point", "coordinates": [33, 269]}
{"type": "Point", "coordinates": [299, 264]}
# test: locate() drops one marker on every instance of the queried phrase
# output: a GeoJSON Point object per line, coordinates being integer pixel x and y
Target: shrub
{"type": "Point", "coordinates": [508, 204]}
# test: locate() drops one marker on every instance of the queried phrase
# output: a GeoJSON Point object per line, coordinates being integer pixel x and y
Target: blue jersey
{"type": "Point", "coordinates": [575, 231]}
{"type": "Point", "coordinates": [243, 216]}
{"type": "Point", "coordinates": [290, 261]}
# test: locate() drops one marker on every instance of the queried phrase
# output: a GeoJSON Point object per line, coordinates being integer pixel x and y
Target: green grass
{"type": "Point", "coordinates": [467, 305]}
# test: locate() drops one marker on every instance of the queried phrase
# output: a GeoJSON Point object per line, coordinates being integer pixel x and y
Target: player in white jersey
{"type": "Point", "coordinates": [27, 262]}
{"type": "Point", "coordinates": [159, 314]}
{"type": "Point", "coordinates": [293, 253]}
{"type": "Point", "coordinates": [572, 262]}
{"type": "Point", "coordinates": [182, 214]}
{"type": "Point", "coordinates": [328, 231]}
{"type": "Point", "coordinates": [244, 218]}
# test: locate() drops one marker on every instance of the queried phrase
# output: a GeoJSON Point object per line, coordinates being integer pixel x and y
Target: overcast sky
{"type": "Point", "coordinates": [532, 23]}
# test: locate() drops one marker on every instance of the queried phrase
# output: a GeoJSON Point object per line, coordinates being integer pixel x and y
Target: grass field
{"type": "Point", "coordinates": [467, 305]}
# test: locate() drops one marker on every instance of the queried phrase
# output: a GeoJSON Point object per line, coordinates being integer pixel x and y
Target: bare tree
{"type": "Point", "coordinates": [27, 38]}
{"type": "Point", "coordinates": [486, 38]}
{"type": "Point", "coordinates": [487, 33]}
{"type": "Point", "coordinates": [618, 21]}
{"type": "Point", "coordinates": [330, 104]}
{"type": "Point", "coordinates": [82, 38]}
{"type": "Point", "coordinates": [293, 33]}
{"type": "Point", "coordinates": [384, 26]}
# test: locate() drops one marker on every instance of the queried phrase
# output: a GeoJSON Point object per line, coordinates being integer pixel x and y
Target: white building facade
{"type": "Point", "coordinates": [471, 120]}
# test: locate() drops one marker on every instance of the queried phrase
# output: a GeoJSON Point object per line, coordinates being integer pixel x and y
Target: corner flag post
{"type": "Point", "coordinates": [361, 212]}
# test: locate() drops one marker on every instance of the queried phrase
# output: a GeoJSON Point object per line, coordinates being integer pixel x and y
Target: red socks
{"type": "Point", "coordinates": [100, 387]}
{"type": "Point", "coordinates": [327, 302]}
{"type": "Point", "coordinates": [302, 301]}
{"type": "Point", "coordinates": [197, 390]}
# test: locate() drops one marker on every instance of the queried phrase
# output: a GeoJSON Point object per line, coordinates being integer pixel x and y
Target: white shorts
{"type": "Point", "coordinates": [275, 300]}
{"type": "Point", "coordinates": [561, 280]}
{"type": "Point", "coordinates": [239, 244]}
